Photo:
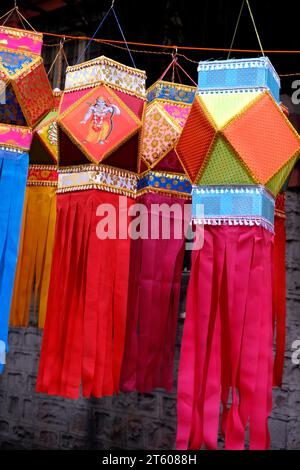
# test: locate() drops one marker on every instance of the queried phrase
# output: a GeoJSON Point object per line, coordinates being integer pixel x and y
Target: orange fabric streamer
{"type": "Point", "coordinates": [35, 255]}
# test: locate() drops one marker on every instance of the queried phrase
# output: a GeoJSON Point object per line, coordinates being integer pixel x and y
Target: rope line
{"type": "Point", "coordinates": [153, 45]}
{"type": "Point", "coordinates": [236, 28]}
{"type": "Point", "coordinates": [22, 18]}
{"type": "Point", "coordinates": [254, 25]}
{"type": "Point", "coordinates": [237, 25]}
{"type": "Point", "coordinates": [118, 43]}
{"type": "Point", "coordinates": [93, 37]}
{"type": "Point", "coordinates": [121, 31]}
{"type": "Point", "coordinates": [168, 46]}
{"type": "Point", "coordinates": [138, 51]}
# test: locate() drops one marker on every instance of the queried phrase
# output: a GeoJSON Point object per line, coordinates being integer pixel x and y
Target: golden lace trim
{"type": "Point", "coordinates": [102, 60]}
{"type": "Point", "coordinates": [111, 85]}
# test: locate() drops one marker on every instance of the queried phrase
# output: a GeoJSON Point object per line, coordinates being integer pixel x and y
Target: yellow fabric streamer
{"type": "Point", "coordinates": [35, 255]}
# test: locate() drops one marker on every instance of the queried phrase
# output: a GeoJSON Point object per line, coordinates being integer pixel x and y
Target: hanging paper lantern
{"type": "Point", "coordinates": [238, 149]}
{"type": "Point", "coordinates": [156, 262]}
{"type": "Point", "coordinates": [28, 95]}
{"type": "Point", "coordinates": [166, 114]}
{"type": "Point", "coordinates": [100, 122]}
{"type": "Point", "coordinates": [37, 238]}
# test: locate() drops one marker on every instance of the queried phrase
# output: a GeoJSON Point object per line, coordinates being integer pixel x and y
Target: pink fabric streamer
{"type": "Point", "coordinates": [153, 301]}
{"type": "Point", "coordinates": [226, 353]}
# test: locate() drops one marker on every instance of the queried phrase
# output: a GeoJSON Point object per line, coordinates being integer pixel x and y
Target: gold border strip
{"type": "Point", "coordinates": [99, 186]}
{"type": "Point", "coordinates": [103, 60]}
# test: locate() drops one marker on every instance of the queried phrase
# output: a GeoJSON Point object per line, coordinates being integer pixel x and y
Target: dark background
{"type": "Point", "coordinates": [198, 23]}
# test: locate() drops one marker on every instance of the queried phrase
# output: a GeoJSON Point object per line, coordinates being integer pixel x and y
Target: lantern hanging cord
{"type": "Point", "coordinates": [175, 66]}
{"type": "Point", "coordinates": [236, 28]}
{"type": "Point", "coordinates": [60, 53]}
{"type": "Point", "coordinates": [237, 25]}
{"type": "Point", "coordinates": [94, 35]}
{"type": "Point", "coordinates": [255, 28]}
{"type": "Point", "coordinates": [22, 18]}
{"type": "Point", "coordinates": [93, 38]}
{"type": "Point", "coordinates": [123, 36]}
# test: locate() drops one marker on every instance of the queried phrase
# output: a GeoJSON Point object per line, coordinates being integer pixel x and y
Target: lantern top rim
{"type": "Point", "coordinates": [254, 62]}
{"type": "Point", "coordinates": [103, 60]}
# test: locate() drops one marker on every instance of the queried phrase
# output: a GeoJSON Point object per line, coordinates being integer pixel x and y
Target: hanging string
{"type": "Point", "coordinates": [184, 71]}
{"type": "Point", "coordinates": [21, 21]}
{"type": "Point", "coordinates": [121, 31]}
{"type": "Point", "coordinates": [8, 15]}
{"type": "Point", "coordinates": [178, 75]}
{"type": "Point", "coordinates": [256, 31]}
{"type": "Point", "coordinates": [59, 57]}
{"type": "Point", "coordinates": [95, 33]}
{"type": "Point", "coordinates": [111, 10]}
{"type": "Point", "coordinates": [175, 65]}
{"type": "Point", "coordinates": [55, 59]}
{"type": "Point", "coordinates": [236, 28]}
{"type": "Point", "coordinates": [21, 18]}
{"type": "Point", "coordinates": [59, 71]}
{"type": "Point", "coordinates": [167, 70]}
{"type": "Point", "coordinates": [65, 57]}
{"type": "Point", "coordinates": [173, 69]}
{"type": "Point", "coordinates": [237, 25]}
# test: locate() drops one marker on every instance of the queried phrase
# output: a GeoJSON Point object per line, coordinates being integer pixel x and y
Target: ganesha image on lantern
{"type": "Point", "coordinates": [100, 117]}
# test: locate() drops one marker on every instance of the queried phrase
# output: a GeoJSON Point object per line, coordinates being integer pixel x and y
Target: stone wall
{"type": "Point", "coordinates": [133, 421]}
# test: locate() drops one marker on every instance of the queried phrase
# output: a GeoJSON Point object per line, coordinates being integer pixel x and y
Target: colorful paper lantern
{"type": "Point", "coordinates": [156, 262]}
{"type": "Point", "coordinates": [28, 95]}
{"type": "Point", "coordinates": [99, 127]}
{"type": "Point", "coordinates": [168, 107]}
{"type": "Point", "coordinates": [238, 149]}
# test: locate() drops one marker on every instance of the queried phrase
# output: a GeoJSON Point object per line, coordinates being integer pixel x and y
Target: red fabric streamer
{"type": "Point", "coordinates": [153, 301]}
{"type": "Point", "coordinates": [84, 332]}
{"type": "Point", "coordinates": [226, 352]}
{"type": "Point", "coordinates": [279, 288]}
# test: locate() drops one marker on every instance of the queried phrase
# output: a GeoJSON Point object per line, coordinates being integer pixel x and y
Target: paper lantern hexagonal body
{"type": "Point", "coordinates": [101, 114]}
{"type": "Point", "coordinates": [26, 92]}
{"type": "Point", "coordinates": [240, 137]}
{"type": "Point", "coordinates": [236, 132]}
{"type": "Point", "coordinates": [168, 107]}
